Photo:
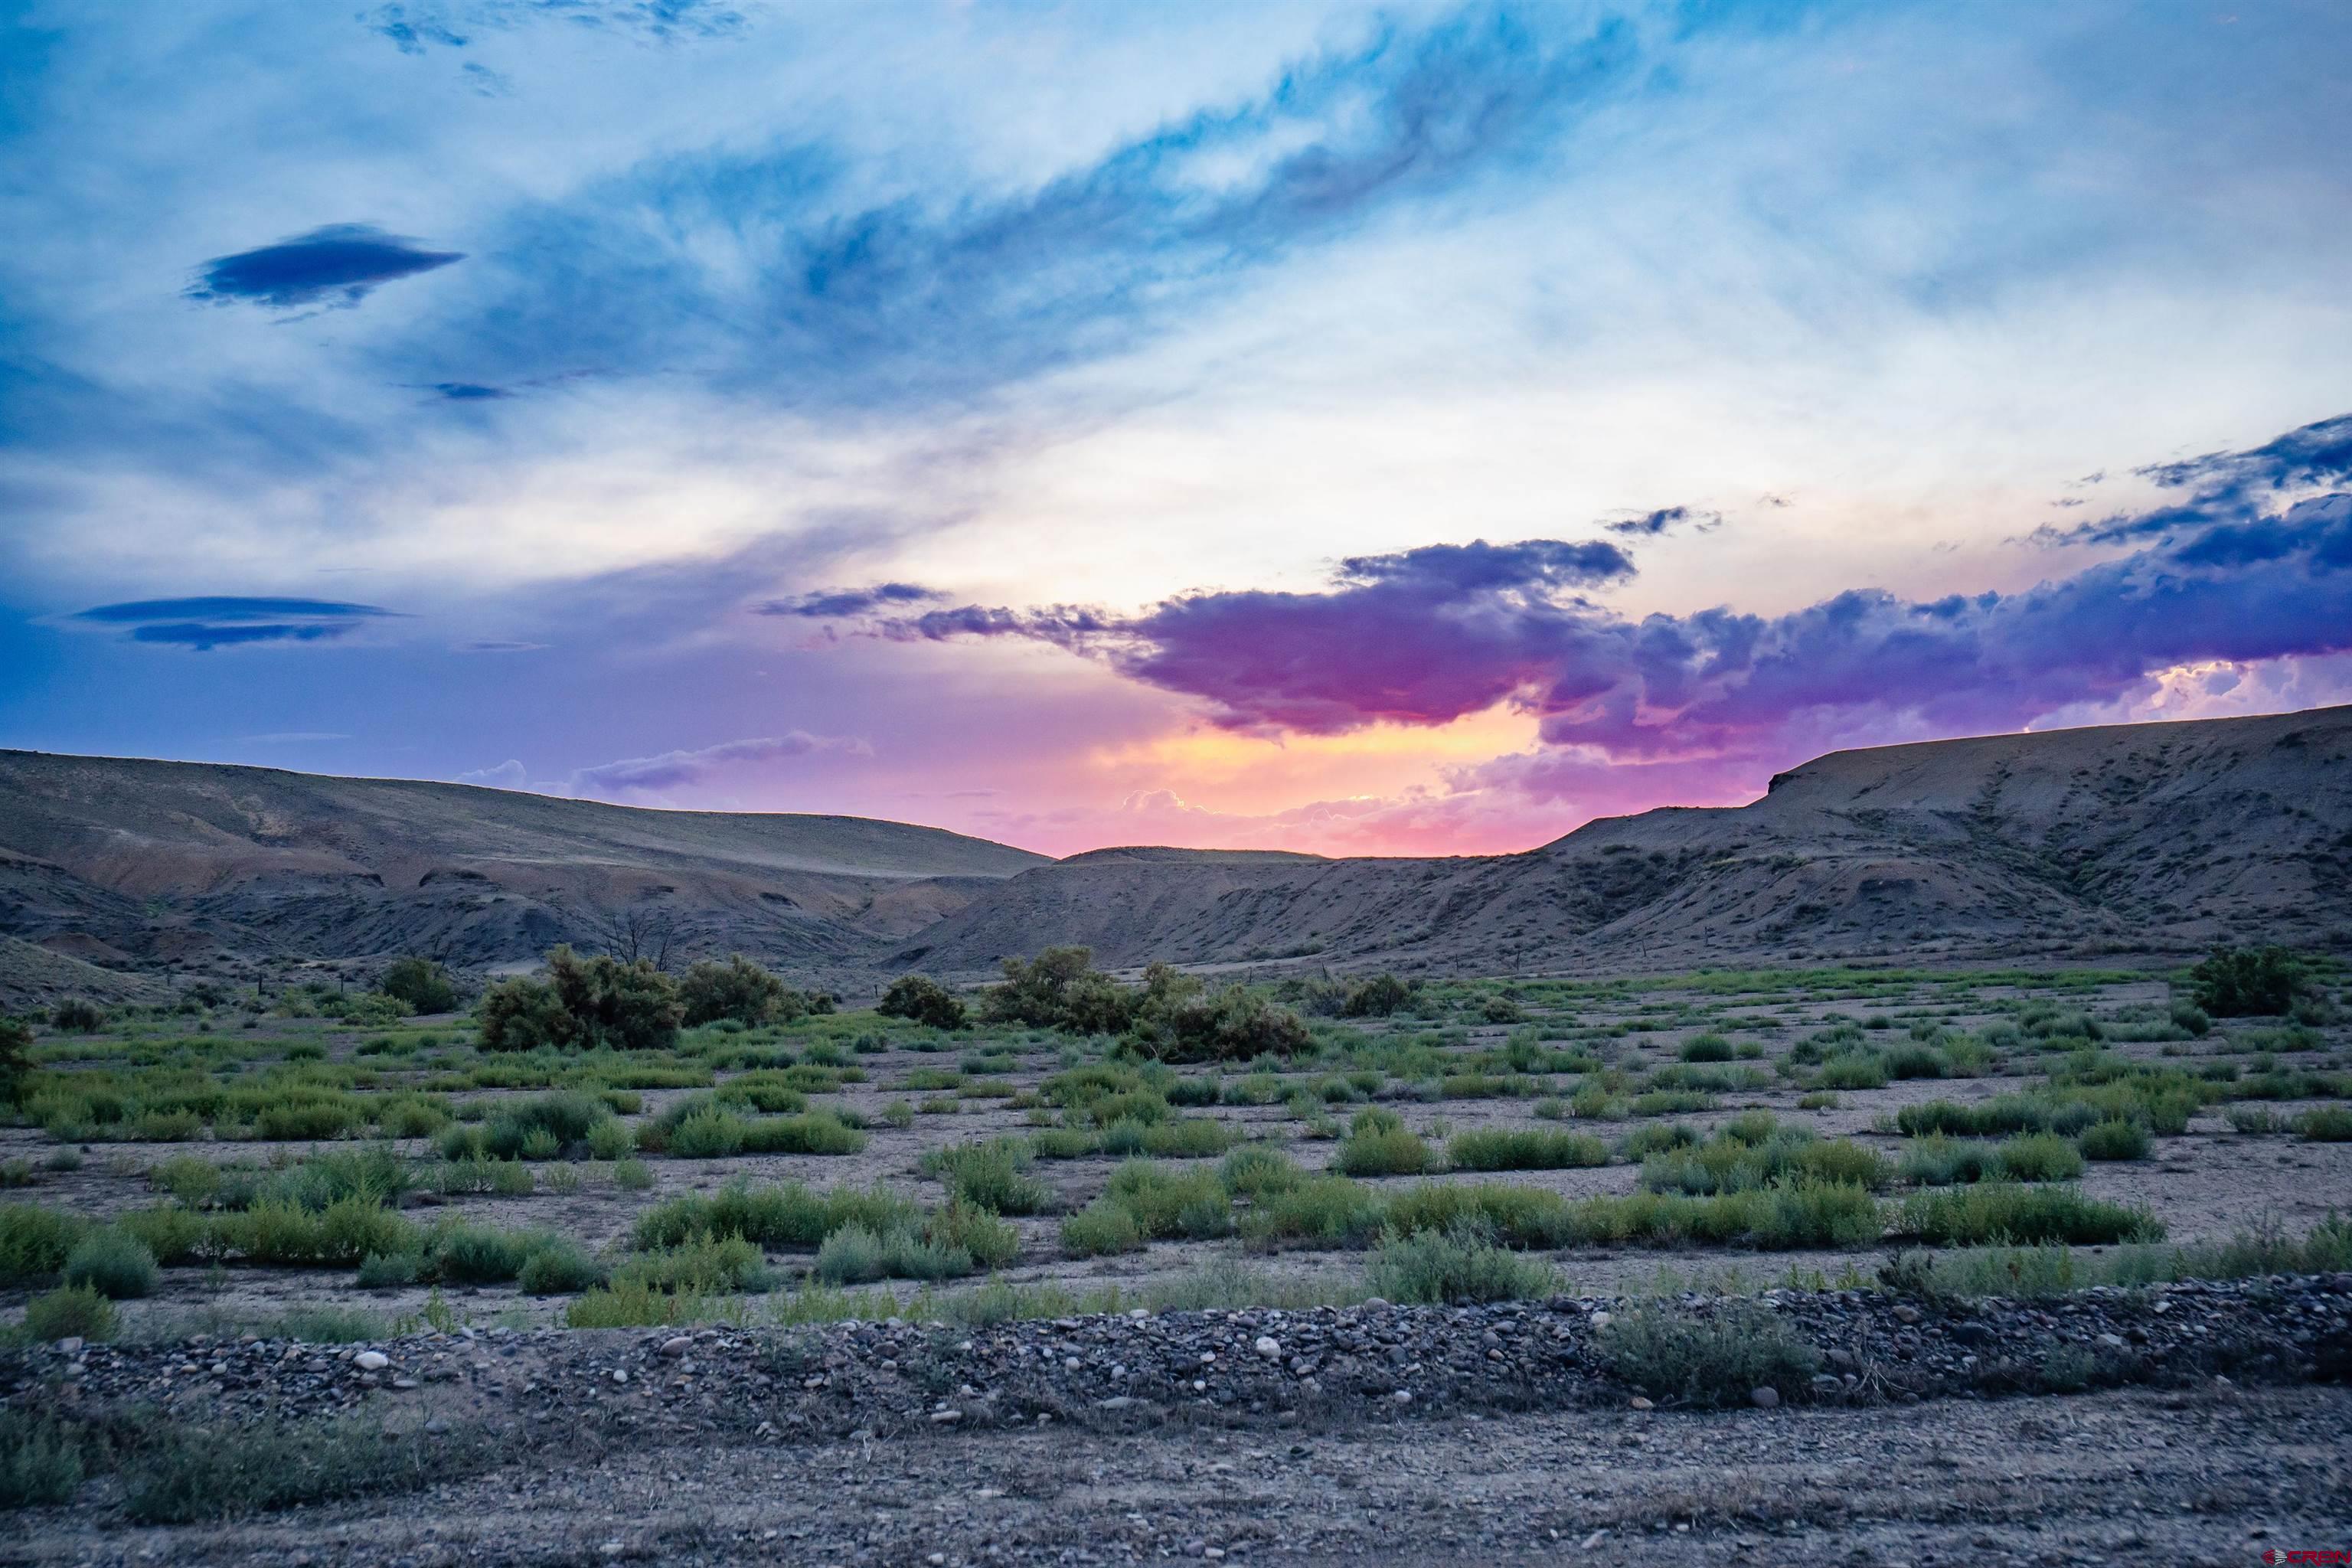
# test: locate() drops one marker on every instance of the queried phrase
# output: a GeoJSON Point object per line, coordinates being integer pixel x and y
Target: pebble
{"type": "Point", "coordinates": [371, 1361]}
{"type": "Point", "coordinates": [1764, 1398]}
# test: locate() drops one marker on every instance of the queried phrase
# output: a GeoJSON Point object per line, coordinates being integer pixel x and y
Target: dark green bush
{"type": "Point", "coordinates": [738, 989]}
{"type": "Point", "coordinates": [1456, 1266]}
{"type": "Point", "coordinates": [2115, 1139]}
{"type": "Point", "coordinates": [2242, 982]}
{"type": "Point", "coordinates": [920, 999]}
{"type": "Point", "coordinates": [1519, 1149]}
{"type": "Point", "coordinates": [71, 1311]}
{"type": "Point", "coordinates": [78, 1015]}
{"type": "Point", "coordinates": [421, 983]}
{"type": "Point", "coordinates": [117, 1265]}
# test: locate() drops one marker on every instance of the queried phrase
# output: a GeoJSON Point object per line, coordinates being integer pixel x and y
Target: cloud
{"type": "Point", "coordinates": [339, 265]}
{"type": "Point", "coordinates": [672, 769]}
{"type": "Point", "coordinates": [1427, 637]}
{"type": "Point", "coordinates": [766, 266]}
{"type": "Point", "coordinates": [296, 737]}
{"type": "Point", "coordinates": [1652, 523]}
{"type": "Point", "coordinates": [470, 392]}
{"type": "Point", "coordinates": [412, 27]}
{"type": "Point", "coordinates": [509, 775]}
{"type": "Point", "coordinates": [497, 645]}
{"type": "Point", "coordinates": [836, 604]}
{"type": "Point", "coordinates": [211, 622]}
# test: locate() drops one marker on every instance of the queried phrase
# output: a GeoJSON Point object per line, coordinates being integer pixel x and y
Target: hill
{"type": "Point", "coordinates": [2140, 836]}
{"type": "Point", "coordinates": [140, 865]}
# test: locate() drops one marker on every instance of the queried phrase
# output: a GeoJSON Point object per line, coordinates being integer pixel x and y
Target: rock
{"type": "Point", "coordinates": [1592, 1541]}
{"type": "Point", "coordinates": [1764, 1398]}
{"type": "Point", "coordinates": [1906, 1313]}
{"type": "Point", "coordinates": [1402, 1396]}
{"type": "Point", "coordinates": [1601, 1319]}
{"type": "Point", "coordinates": [620, 1374]}
{"type": "Point", "coordinates": [371, 1361]}
{"type": "Point", "coordinates": [1638, 1402]}
{"type": "Point", "coordinates": [677, 1346]}
{"type": "Point", "coordinates": [1269, 1347]}
{"type": "Point", "coordinates": [945, 1417]}
{"type": "Point", "coordinates": [70, 1345]}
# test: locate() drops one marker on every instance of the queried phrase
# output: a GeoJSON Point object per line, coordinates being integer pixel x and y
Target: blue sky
{"type": "Point", "coordinates": [1074, 424]}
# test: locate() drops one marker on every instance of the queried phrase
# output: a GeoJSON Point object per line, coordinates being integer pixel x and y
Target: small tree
{"type": "Point", "coordinates": [2239, 982]}
{"type": "Point", "coordinates": [738, 989]}
{"type": "Point", "coordinates": [523, 1014]}
{"type": "Point", "coordinates": [1186, 1023]}
{"type": "Point", "coordinates": [79, 1014]}
{"type": "Point", "coordinates": [420, 981]}
{"type": "Point", "coordinates": [922, 1000]}
{"type": "Point", "coordinates": [632, 1007]}
{"type": "Point", "coordinates": [1059, 989]}
{"type": "Point", "coordinates": [1377, 997]}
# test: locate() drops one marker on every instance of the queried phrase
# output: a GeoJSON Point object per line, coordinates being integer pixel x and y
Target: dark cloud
{"type": "Point", "coordinates": [497, 645]}
{"type": "Point", "coordinates": [338, 264]}
{"type": "Point", "coordinates": [210, 622]}
{"type": "Point", "coordinates": [1652, 523]}
{"type": "Point", "coordinates": [2223, 486]}
{"type": "Point", "coordinates": [835, 603]}
{"type": "Point", "coordinates": [1426, 637]}
{"type": "Point", "coordinates": [470, 392]}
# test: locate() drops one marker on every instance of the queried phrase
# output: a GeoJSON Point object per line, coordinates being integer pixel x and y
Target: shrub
{"type": "Point", "coordinates": [1379, 1144]}
{"type": "Point", "coordinates": [1099, 1229]}
{"type": "Point", "coordinates": [117, 1265]}
{"type": "Point", "coordinates": [1456, 1266]}
{"type": "Point", "coordinates": [2236, 982]}
{"type": "Point", "coordinates": [78, 1015]}
{"type": "Point", "coordinates": [2044, 1156]}
{"type": "Point", "coordinates": [994, 1176]}
{"type": "Point", "coordinates": [592, 1001]}
{"type": "Point", "coordinates": [560, 1268]}
{"type": "Point", "coordinates": [975, 1232]}
{"type": "Point", "coordinates": [633, 1175]}
{"type": "Point", "coordinates": [1940, 1161]}
{"type": "Point", "coordinates": [1315, 1212]}
{"type": "Point", "coordinates": [1376, 997]}
{"type": "Point", "coordinates": [421, 983]}
{"type": "Point", "coordinates": [920, 999]}
{"type": "Point", "coordinates": [817, 1132]}
{"type": "Point", "coordinates": [1257, 1169]}
{"type": "Point", "coordinates": [1515, 1217]}
{"type": "Point", "coordinates": [183, 1474]}
{"type": "Point", "coordinates": [33, 1241]}
{"type": "Point", "coordinates": [611, 1139]}
{"type": "Point", "coordinates": [40, 1460]}
{"type": "Point", "coordinates": [471, 1255]}
{"type": "Point", "coordinates": [69, 1312]}
{"type": "Point", "coordinates": [389, 1271]}
{"type": "Point", "coordinates": [15, 1056]}
{"type": "Point", "coordinates": [1165, 1204]}
{"type": "Point", "coordinates": [1059, 989]}
{"type": "Point", "coordinates": [709, 1133]}
{"type": "Point", "coordinates": [1706, 1048]}
{"type": "Point", "coordinates": [1717, 1360]}
{"type": "Point", "coordinates": [2326, 1124]}
{"type": "Point", "coordinates": [2114, 1139]}
{"type": "Point", "coordinates": [558, 1121]}
{"type": "Point", "coordinates": [738, 989]}
{"type": "Point", "coordinates": [1500, 1148]}
{"type": "Point", "coordinates": [522, 1013]}
{"type": "Point", "coordinates": [2008, 1213]}
{"type": "Point", "coordinates": [1177, 1021]}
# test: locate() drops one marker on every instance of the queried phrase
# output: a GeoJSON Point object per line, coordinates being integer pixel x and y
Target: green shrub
{"type": "Point", "coordinates": [1516, 1216]}
{"type": "Point", "coordinates": [70, 1311]}
{"type": "Point", "coordinates": [547, 1123]}
{"type": "Point", "coordinates": [922, 1000]}
{"type": "Point", "coordinates": [700, 1265]}
{"type": "Point", "coordinates": [633, 1175]}
{"type": "Point", "coordinates": [974, 1231]}
{"type": "Point", "coordinates": [737, 991]}
{"type": "Point", "coordinates": [1706, 1048]}
{"type": "Point", "coordinates": [2044, 1156]}
{"type": "Point", "coordinates": [117, 1265]}
{"type": "Point", "coordinates": [558, 1268]}
{"type": "Point", "coordinates": [2114, 1139]}
{"type": "Point", "coordinates": [1500, 1149]}
{"type": "Point", "coordinates": [40, 1460]}
{"type": "Point", "coordinates": [995, 1174]}
{"type": "Point", "coordinates": [1713, 1360]}
{"type": "Point", "coordinates": [2237, 982]}
{"type": "Point", "coordinates": [1319, 1211]}
{"type": "Point", "coordinates": [2010, 1214]}
{"type": "Point", "coordinates": [179, 1475]}
{"type": "Point", "coordinates": [2326, 1124]}
{"type": "Point", "coordinates": [33, 1241]}
{"type": "Point", "coordinates": [471, 1255]}
{"type": "Point", "coordinates": [420, 982]}
{"type": "Point", "coordinates": [1167, 1203]}
{"type": "Point", "coordinates": [1257, 1169]}
{"type": "Point", "coordinates": [709, 1135]}
{"type": "Point", "coordinates": [1453, 1267]}
{"type": "Point", "coordinates": [582, 1004]}
{"type": "Point", "coordinates": [822, 1131]}
{"type": "Point", "coordinates": [611, 1139]}
{"type": "Point", "coordinates": [78, 1015]}
{"type": "Point", "coordinates": [1379, 1144]}
{"type": "Point", "coordinates": [390, 1271]}
{"type": "Point", "coordinates": [1100, 1229]}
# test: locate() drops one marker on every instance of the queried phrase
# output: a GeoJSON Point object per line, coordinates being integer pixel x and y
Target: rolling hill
{"type": "Point", "coordinates": [2139, 836]}
{"type": "Point", "coordinates": [2143, 837]}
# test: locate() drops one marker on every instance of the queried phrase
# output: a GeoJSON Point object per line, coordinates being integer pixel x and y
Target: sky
{"type": "Point", "coordinates": [1417, 429]}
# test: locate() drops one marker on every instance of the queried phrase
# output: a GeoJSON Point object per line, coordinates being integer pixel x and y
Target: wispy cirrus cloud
{"type": "Point", "coordinates": [226, 621]}
{"type": "Point", "coordinates": [339, 265]}
{"type": "Point", "coordinates": [672, 770]}
{"type": "Point", "coordinates": [841, 603]}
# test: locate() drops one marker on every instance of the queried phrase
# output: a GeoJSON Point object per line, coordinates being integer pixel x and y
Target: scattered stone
{"type": "Point", "coordinates": [1269, 1347]}
{"type": "Point", "coordinates": [371, 1361]}
{"type": "Point", "coordinates": [1764, 1398]}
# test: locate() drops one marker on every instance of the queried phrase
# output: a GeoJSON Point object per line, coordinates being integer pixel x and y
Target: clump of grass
{"type": "Point", "coordinates": [180, 1475]}
{"type": "Point", "coordinates": [562, 1267]}
{"type": "Point", "coordinates": [68, 1312]}
{"type": "Point", "coordinates": [1321, 1210]}
{"type": "Point", "coordinates": [1379, 1144]}
{"type": "Point", "coordinates": [1525, 1148]}
{"type": "Point", "coordinates": [1100, 1229]}
{"type": "Point", "coordinates": [2325, 1124]}
{"type": "Point", "coordinates": [1460, 1264]}
{"type": "Point", "coordinates": [994, 1176]}
{"type": "Point", "coordinates": [1167, 1203]}
{"type": "Point", "coordinates": [633, 1175]}
{"type": "Point", "coordinates": [2008, 1212]}
{"type": "Point", "coordinates": [2047, 1157]}
{"type": "Point", "coordinates": [855, 1255]}
{"type": "Point", "coordinates": [40, 1460]}
{"type": "Point", "coordinates": [35, 1241]}
{"type": "Point", "coordinates": [117, 1265]}
{"type": "Point", "coordinates": [2115, 1139]}
{"type": "Point", "coordinates": [702, 1265]}
{"type": "Point", "coordinates": [633, 1304]}
{"type": "Point", "coordinates": [1718, 1359]}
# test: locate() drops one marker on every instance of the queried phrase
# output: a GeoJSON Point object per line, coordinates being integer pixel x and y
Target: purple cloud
{"type": "Point", "coordinates": [839, 604]}
{"type": "Point", "coordinates": [222, 621]}
{"type": "Point", "coordinates": [1426, 637]}
{"type": "Point", "coordinates": [341, 264]}
{"type": "Point", "coordinates": [1649, 524]}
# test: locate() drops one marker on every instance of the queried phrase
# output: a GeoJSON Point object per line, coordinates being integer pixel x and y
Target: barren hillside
{"type": "Point", "coordinates": [200, 867]}
{"type": "Point", "coordinates": [2147, 835]}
